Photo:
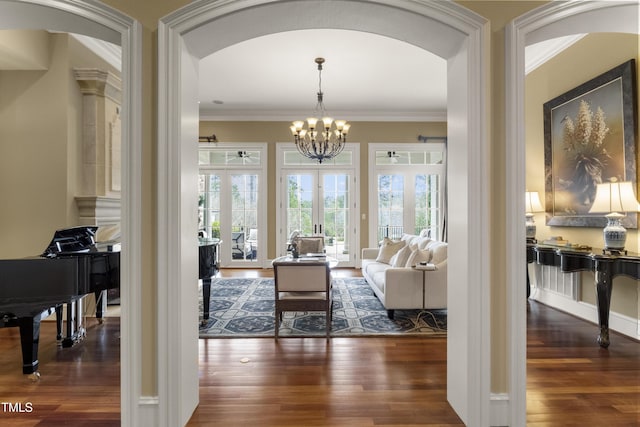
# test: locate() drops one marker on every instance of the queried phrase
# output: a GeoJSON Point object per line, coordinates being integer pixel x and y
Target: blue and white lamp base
{"type": "Point", "coordinates": [615, 235]}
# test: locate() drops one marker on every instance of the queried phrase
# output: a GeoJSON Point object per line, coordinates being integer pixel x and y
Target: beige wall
{"type": "Point", "coordinates": [41, 145]}
{"type": "Point", "coordinates": [37, 154]}
{"type": "Point", "coordinates": [564, 72]}
{"type": "Point", "coordinates": [499, 13]}
{"type": "Point", "coordinates": [361, 132]}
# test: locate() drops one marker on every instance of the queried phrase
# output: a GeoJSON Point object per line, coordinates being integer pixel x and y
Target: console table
{"type": "Point", "coordinates": [606, 266]}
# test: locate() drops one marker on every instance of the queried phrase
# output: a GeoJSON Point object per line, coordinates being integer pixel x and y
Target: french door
{"type": "Point", "coordinates": [407, 190]}
{"type": "Point", "coordinates": [232, 192]}
{"type": "Point", "coordinates": [321, 200]}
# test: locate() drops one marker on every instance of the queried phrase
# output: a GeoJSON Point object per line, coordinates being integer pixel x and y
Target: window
{"type": "Point", "coordinates": [407, 182]}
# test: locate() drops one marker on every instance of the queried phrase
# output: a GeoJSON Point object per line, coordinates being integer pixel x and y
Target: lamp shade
{"type": "Point", "coordinates": [615, 197]}
{"type": "Point", "coordinates": [532, 202]}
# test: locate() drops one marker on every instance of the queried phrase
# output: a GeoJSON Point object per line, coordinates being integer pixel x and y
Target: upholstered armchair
{"type": "Point", "coordinates": [302, 286]}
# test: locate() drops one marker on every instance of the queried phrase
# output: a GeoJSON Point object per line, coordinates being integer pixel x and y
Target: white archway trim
{"type": "Point", "coordinates": [552, 20]}
{"type": "Point", "coordinates": [205, 26]}
{"type": "Point", "coordinates": [95, 19]}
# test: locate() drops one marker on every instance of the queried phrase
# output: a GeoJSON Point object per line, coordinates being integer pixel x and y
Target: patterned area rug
{"type": "Point", "coordinates": [245, 308]}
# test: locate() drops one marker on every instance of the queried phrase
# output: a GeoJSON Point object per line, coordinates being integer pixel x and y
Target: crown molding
{"type": "Point", "coordinates": [539, 53]}
{"type": "Point", "coordinates": [108, 51]}
{"type": "Point", "coordinates": [352, 116]}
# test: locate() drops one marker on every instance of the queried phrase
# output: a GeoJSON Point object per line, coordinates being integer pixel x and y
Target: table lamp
{"type": "Point", "coordinates": [532, 205]}
{"type": "Point", "coordinates": [615, 197]}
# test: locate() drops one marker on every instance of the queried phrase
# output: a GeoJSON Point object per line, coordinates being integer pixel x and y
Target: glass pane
{"type": "Point", "coordinates": [435, 157]}
{"type": "Point", "coordinates": [427, 207]}
{"type": "Point", "coordinates": [390, 206]}
{"type": "Point", "coordinates": [294, 158]}
{"type": "Point", "coordinates": [300, 204]}
{"type": "Point", "coordinates": [244, 217]}
{"type": "Point", "coordinates": [336, 214]}
{"type": "Point", "coordinates": [209, 205]}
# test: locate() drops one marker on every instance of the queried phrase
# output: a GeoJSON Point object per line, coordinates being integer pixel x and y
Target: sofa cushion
{"type": "Point", "coordinates": [374, 267]}
{"type": "Point", "coordinates": [417, 256]}
{"type": "Point", "coordinates": [401, 257]}
{"type": "Point", "coordinates": [438, 252]}
{"type": "Point", "coordinates": [379, 280]}
{"type": "Point", "coordinates": [388, 249]}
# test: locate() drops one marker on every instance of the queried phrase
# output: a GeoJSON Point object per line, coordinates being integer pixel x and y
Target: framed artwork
{"type": "Point", "coordinates": [589, 138]}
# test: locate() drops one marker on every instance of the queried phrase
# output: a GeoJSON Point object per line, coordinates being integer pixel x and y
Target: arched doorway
{"type": "Point", "coordinates": [553, 20]}
{"type": "Point", "coordinates": [445, 29]}
{"type": "Point", "coordinates": [102, 22]}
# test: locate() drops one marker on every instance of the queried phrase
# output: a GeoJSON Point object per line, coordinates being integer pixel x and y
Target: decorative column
{"type": "Point", "coordinates": [99, 199]}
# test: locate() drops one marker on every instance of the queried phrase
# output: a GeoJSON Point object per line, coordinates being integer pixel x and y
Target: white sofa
{"type": "Point", "coordinates": [390, 272]}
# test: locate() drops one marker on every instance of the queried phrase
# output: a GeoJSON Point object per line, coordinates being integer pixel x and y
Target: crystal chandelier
{"type": "Point", "coordinates": [319, 141]}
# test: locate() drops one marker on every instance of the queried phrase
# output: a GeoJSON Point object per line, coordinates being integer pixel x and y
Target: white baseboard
{"type": "Point", "coordinates": [148, 408]}
{"type": "Point", "coordinates": [499, 410]}
{"type": "Point", "coordinates": [620, 323]}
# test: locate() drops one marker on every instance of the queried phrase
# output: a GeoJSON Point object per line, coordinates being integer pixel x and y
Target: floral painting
{"type": "Point", "coordinates": [589, 139]}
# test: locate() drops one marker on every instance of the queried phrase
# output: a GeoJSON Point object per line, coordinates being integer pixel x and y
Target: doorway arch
{"type": "Point", "coordinates": [444, 28]}
{"type": "Point", "coordinates": [102, 22]}
{"type": "Point", "coordinates": [553, 20]}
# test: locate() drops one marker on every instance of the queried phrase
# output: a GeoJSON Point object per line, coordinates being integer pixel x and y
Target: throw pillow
{"type": "Point", "coordinates": [388, 249]}
{"type": "Point", "coordinates": [401, 257]}
{"type": "Point", "coordinates": [418, 256]}
{"type": "Point", "coordinates": [439, 253]}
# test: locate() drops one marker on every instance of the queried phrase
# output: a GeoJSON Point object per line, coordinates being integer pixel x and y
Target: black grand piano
{"type": "Point", "coordinates": [32, 288]}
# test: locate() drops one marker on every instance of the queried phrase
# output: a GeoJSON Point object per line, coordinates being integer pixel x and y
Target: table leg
{"type": "Point", "coordinates": [604, 285]}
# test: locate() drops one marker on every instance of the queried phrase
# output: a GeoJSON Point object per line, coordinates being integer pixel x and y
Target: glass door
{"type": "Point", "coordinates": [406, 190]}
{"type": "Point", "coordinates": [318, 203]}
{"type": "Point", "coordinates": [232, 193]}
{"type": "Point", "coordinates": [319, 200]}
{"type": "Point", "coordinates": [337, 199]}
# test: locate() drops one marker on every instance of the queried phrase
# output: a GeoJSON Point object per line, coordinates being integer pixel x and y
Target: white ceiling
{"type": "Point", "coordinates": [365, 77]}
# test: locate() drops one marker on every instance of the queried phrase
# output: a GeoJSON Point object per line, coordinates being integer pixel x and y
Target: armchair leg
{"type": "Point", "coordinates": [390, 314]}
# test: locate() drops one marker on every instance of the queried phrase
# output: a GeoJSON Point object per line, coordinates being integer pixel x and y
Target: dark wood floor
{"type": "Point", "coordinates": [346, 382]}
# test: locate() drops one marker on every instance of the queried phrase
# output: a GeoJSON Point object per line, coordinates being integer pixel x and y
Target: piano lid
{"type": "Point", "coordinates": [74, 239]}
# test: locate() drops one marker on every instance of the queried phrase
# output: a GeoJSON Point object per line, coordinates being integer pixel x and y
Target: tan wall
{"type": "Point", "coordinates": [361, 132]}
{"type": "Point", "coordinates": [499, 13]}
{"type": "Point", "coordinates": [564, 72]}
{"type": "Point", "coordinates": [40, 147]}
{"type": "Point", "coordinates": [34, 154]}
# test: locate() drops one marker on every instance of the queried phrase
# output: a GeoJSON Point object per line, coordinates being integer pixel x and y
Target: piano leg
{"type": "Point", "coordinates": [206, 295]}
{"type": "Point", "coordinates": [75, 329]}
{"type": "Point", "coordinates": [101, 299]}
{"type": "Point", "coordinates": [59, 322]}
{"type": "Point", "coordinates": [29, 339]}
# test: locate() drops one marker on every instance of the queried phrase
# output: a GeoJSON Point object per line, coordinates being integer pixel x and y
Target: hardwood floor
{"type": "Point", "coordinates": [79, 386]}
{"type": "Point", "coordinates": [346, 382]}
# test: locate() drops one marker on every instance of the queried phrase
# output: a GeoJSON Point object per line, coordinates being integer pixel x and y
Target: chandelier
{"type": "Point", "coordinates": [319, 141]}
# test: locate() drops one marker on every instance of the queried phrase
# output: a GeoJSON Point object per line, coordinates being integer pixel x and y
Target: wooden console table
{"type": "Point", "coordinates": [606, 267]}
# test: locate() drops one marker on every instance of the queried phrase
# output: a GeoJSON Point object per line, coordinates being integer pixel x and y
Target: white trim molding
{"type": "Point", "coordinates": [499, 409]}
{"type": "Point", "coordinates": [554, 19]}
{"type": "Point", "coordinates": [446, 29]}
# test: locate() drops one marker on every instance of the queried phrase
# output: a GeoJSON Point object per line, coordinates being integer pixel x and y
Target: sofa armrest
{"type": "Point", "coordinates": [370, 253]}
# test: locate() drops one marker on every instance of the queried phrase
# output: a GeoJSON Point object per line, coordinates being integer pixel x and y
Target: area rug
{"type": "Point", "coordinates": [245, 308]}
